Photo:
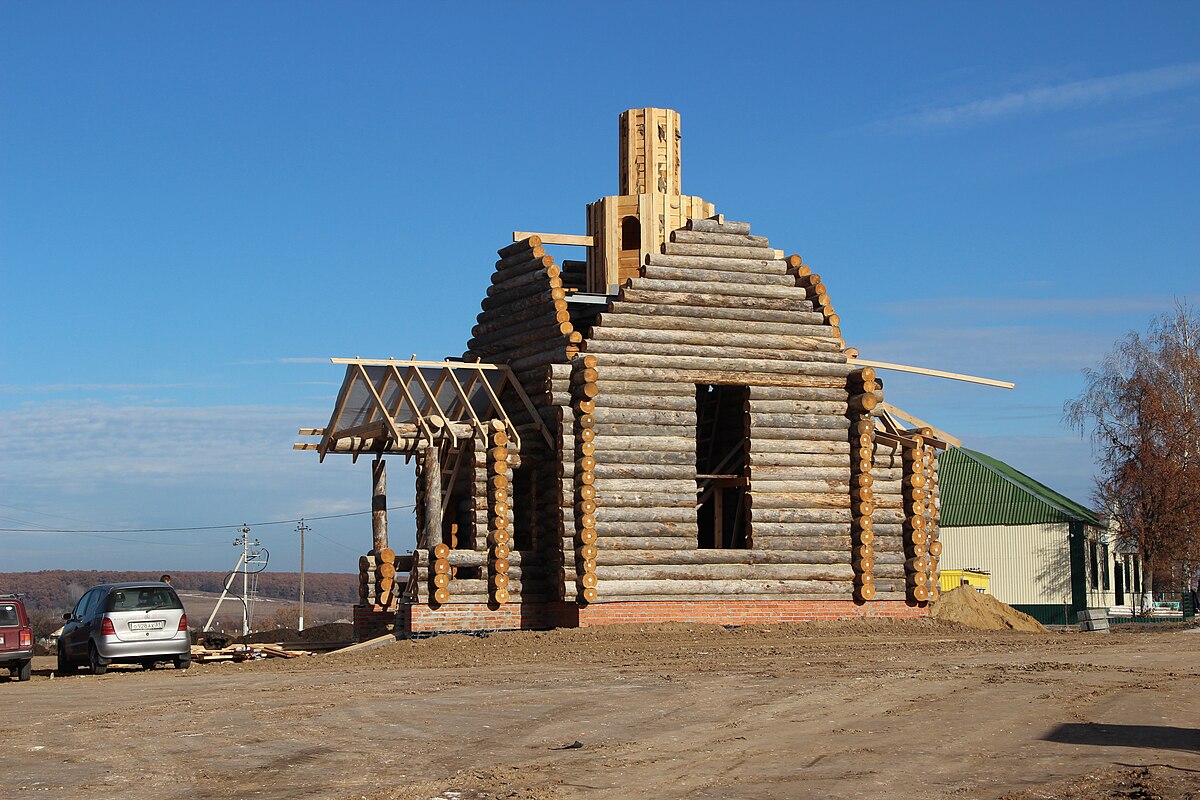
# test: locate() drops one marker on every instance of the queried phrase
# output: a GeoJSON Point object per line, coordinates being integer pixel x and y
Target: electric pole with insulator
{"type": "Point", "coordinates": [301, 528]}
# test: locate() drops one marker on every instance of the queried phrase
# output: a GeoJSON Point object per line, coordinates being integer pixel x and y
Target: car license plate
{"type": "Point", "coordinates": [151, 625]}
{"type": "Point", "coordinates": [1, 638]}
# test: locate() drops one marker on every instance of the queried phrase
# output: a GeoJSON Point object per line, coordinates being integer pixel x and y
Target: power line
{"type": "Point", "coordinates": [335, 541]}
{"type": "Point", "coordinates": [190, 528]}
{"type": "Point", "coordinates": [47, 514]}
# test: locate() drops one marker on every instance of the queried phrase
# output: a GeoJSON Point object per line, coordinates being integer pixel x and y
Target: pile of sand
{"type": "Point", "coordinates": [965, 606]}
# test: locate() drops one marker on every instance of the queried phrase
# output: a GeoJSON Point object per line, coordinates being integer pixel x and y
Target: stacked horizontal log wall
{"type": "Point", "coordinates": [715, 307]}
{"type": "Point", "coordinates": [933, 547]}
{"type": "Point", "coordinates": [380, 578]}
{"type": "Point", "coordinates": [921, 536]}
{"type": "Point", "coordinates": [887, 501]}
{"type": "Point", "coordinates": [583, 394]}
{"type": "Point", "coordinates": [718, 307]}
{"type": "Point", "coordinates": [862, 457]}
{"type": "Point", "coordinates": [525, 323]}
{"type": "Point", "coordinates": [500, 515]}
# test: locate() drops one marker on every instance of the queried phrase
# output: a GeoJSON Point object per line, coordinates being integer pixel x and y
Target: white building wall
{"type": "Point", "coordinates": [1029, 564]}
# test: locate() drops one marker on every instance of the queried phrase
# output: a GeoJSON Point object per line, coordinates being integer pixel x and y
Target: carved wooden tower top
{"type": "Point", "coordinates": [650, 159]}
{"type": "Point", "coordinates": [625, 228]}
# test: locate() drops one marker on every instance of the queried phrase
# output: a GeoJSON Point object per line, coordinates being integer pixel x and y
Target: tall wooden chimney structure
{"type": "Point", "coordinates": [627, 227]}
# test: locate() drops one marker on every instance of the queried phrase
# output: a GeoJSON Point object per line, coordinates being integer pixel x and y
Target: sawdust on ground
{"type": "Point", "coordinates": [965, 606]}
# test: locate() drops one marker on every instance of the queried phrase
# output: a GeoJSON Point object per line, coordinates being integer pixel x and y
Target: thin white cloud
{"type": "Point", "coordinates": [1009, 308]}
{"type": "Point", "coordinates": [60, 388]}
{"type": "Point", "coordinates": [1119, 132]}
{"type": "Point", "coordinates": [1062, 462]}
{"type": "Point", "coordinates": [992, 352]}
{"type": "Point", "coordinates": [1087, 93]}
{"type": "Point", "coordinates": [133, 465]}
{"type": "Point", "coordinates": [146, 443]}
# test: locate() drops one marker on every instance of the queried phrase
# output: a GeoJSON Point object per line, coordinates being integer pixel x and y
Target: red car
{"type": "Point", "coordinates": [16, 637]}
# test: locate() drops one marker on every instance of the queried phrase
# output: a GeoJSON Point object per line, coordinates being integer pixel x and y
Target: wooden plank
{"type": "Point", "coordinates": [936, 373]}
{"type": "Point", "coordinates": [397, 362]}
{"type": "Point", "coordinates": [556, 238]}
{"type": "Point", "coordinates": [920, 423]}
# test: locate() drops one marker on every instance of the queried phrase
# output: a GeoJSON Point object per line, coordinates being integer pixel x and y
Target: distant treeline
{"type": "Point", "coordinates": [56, 590]}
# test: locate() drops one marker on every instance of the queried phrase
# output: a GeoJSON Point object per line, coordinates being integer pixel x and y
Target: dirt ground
{"type": "Point", "coordinates": [829, 710]}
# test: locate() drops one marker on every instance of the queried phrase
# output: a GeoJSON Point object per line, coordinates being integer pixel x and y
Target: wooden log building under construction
{"type": "Point", "coordinates": [671, 429]}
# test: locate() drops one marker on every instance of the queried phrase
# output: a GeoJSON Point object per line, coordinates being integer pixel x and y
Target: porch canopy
{"type": "Point", "coordinates": [391, 406]}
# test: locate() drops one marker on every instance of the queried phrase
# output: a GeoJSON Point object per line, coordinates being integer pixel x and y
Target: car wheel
{"type": "Point", "coordinates": [98, 665]}
{"type": "Point", "coordinates": [24, 671]}
{"type": "Point", "coordinates": [183, 662]}
{"type": "Point", "coordinates": [64, 666]}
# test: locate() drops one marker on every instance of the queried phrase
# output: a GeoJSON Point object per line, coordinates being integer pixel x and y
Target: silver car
{"type": "Point", "coordinates": [138, 623]}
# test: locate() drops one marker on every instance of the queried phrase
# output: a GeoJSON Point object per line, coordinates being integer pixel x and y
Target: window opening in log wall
{"type": "Point", "coordinates": [458, 524]}
{"type": "Point", "coordinates": [631, 234]}
{"type": "Point", "coordinates": [629, 257]}
{"type": "Point", "coordinates": [722, 452]}
{"type": "Point", "coordinates": [522, 502]}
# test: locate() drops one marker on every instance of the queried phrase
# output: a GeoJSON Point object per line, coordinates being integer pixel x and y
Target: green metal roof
{"type": "Point", "coordinates": [979, 490]}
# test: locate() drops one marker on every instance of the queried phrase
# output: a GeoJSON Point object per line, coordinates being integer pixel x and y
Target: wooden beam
{"type": "Point", "coordinates": [388, 415]}
{"type": "Point", "coordinates": [465, 400]}
{"type": "Point", "coordinates": [533, 413]}
{"type": "Point", "coordinates": [368, 430]}
{"type": "Point", "coordinates": [431, 396]}
{"type": "Point", "coordinates": [936, 373]}
{"type": "Point", "coordinates": [554, 238]}
{"type": "Point", "coordinates": [494, 393]}
{"type": "Point", "coordinates": [398, 362]}
{"type": "Point", "coordinates": [920, 423]}
{"type": "Point", "coordinates": [338, 406]}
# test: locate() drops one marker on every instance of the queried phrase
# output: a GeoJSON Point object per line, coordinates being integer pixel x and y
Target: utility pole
{"type": "Point", "coordinates": [302, 528]}
{"type": "Point", "coordinates": [245, 542]}
{"type": "Point", "coordinates": [258, 556]}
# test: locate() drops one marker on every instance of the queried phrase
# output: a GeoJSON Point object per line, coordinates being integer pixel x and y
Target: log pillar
{"type": "Point", "coordinates": [379, 520]}
{"type": "Point", "coordinates": [431, 476]}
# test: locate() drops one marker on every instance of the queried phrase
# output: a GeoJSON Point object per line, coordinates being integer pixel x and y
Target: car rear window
{"type": "Point", "coordinates": [142, 599]}
{"type": "Point", "coordinates": [8, 615]}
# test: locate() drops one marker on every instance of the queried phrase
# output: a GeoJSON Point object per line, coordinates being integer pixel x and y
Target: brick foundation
{"type": "Point", "coordinates": [372, 621]}
{"type": "Point", "coordinates": [419, 619]}
{"type": "Point", "coordinates": [744, 612]}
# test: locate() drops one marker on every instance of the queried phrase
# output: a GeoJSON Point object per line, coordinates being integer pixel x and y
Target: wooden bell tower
{"type": "Point", "coordinates": [627, 227]}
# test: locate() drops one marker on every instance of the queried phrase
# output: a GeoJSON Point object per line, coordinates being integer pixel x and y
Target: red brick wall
{"type": "Point", "coordinates": [514, 616]}
{"type": "Point", "coordinates": [743, 612]}
{"type": "Point", "coordinates": [372, 621]}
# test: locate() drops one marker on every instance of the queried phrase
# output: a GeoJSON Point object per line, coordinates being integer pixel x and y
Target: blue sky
{"type": "Point", "coordinates": [200, 204]}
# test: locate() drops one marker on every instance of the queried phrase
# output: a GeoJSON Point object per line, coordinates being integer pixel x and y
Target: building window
{"type": "Point", "coordinates": [631, 234]}
{"type": "Point", "coordinates": [1093, 562]}
{"type": "Point", "coordinates": [523, 502]}
{"type": "Point", "coordinates": [1104, 567]}
{"type": "Point", "coordinates": [722, 468]}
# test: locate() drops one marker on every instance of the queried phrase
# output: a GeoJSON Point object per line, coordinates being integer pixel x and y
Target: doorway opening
{"type": "Point", "coordinates": [722, 466]}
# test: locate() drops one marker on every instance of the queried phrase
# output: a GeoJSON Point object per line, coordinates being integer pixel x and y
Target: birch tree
{"type": "Point", "coordinates": [1139, 407]}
